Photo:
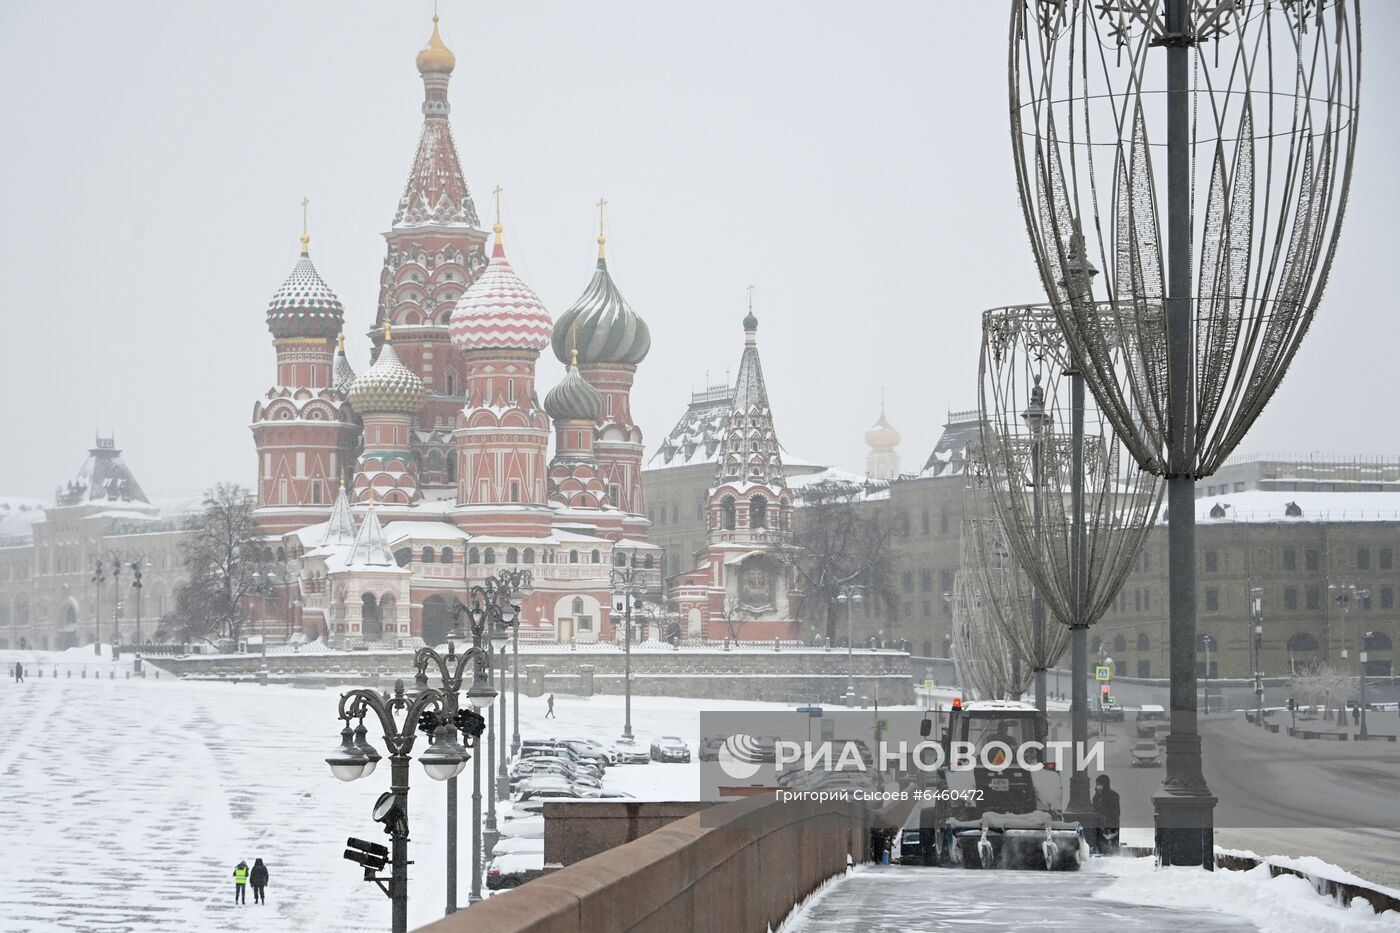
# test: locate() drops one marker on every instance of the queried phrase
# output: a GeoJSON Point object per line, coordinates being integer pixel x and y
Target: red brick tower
{"type": "Point", "coordinates": [611, 340]}
{"type": "Point", "coordinates": [302, 427]}
{"type": "Point", "coordinates": [499, 326]}
{"type": "Point", "coordinates": [436, 249]}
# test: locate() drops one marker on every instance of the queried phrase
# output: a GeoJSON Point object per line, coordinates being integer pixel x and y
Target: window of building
{"type": "Point", "coordinates": [573, 557]}
{"type": "Point", "coordinates": [403, 555]}
{"type": "Point", "coordinates": [758, 512]}
{"type": "Point", "coordinates": [1290, 559]}
{"type": "Point", "coordinates": [316, 492]}
{"type": "Point", "coordinates": [1120, 644]}
{"type": "Point", "coordinates": [906, 581]}
{"type": "Point", "coordinates": [473, 556]}
{"type": "Point", "coordinates": [515, 490]}
{"type": "Point", "coordinates": [1310, 558]}
{"type": "Point", "coordinates": [1314, 597]}
{"type": "Point", "coordinates": [1363, 558]}
{"type": "Point", "coordinates": [512, 556]}
{"type": "Point", "coordinates": [596, 557]}
{"type": "Point", "coordinates": [925, 580]}
{"type": "Point", "coordinates": [662, 518]}
{"type": "Point", "coordinates": [928, 609]}
{"type": "Point", "coordinates": [1387, 598]}
{"type": "Point", "coordinates": [945, 522]}
{"type": "Point", "coordinates": [1144, 668]}
{"type": "Point", "coordinates": [903, 523]}
{"type": "Point", "coordinates": [728, 508]}
{"type": "Point", "coordinates": [1146, 600]}
{"type": "Point", "coordinates": [1363, 599]}
{"type": "Point", "coordinates": [924, 522]}
{"type": "Point", "coordinates": [489, 556]}
{"type": "Point", "coordinates": [1143, 642]}
{"type": "Point", "coordinates": [529, 555]}
{"type": "Point", "coordinates": [675, 514]}
{"type": "Point", "coordinates": [1290, 597]}
{"type": "Point", "coordinates": [1212, 562]}
{"type": "Point", "coordinates": [1212, 600]}
{"type": "Point", "coordinates": [1387, 558]}
{"type": "Point", "coordinates": [1137, 600]}
{"type": "Point", "coordinates": [429, 555]}
{"type": "Point", "coordinates": [446, 556]}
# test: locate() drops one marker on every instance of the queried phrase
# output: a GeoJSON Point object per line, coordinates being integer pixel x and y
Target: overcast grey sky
{"type": "Point", "coordinates": [849, 160]}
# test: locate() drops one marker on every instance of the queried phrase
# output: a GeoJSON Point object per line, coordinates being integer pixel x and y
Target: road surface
{"type": "Point", "coordinates": [900, 899]}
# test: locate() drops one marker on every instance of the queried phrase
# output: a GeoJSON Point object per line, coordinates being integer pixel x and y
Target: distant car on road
{"type": "Point", "coordinates": [669, 748]}
{"type": "Point", "coordinates": [910, 850]}
{"type": "Point", "coordinates": [1146, 755]}
{"type": "Point", "coordinates": [514, 869]}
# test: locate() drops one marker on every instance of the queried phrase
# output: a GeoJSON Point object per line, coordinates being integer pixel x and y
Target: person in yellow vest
{"type": "Point", "coordinates": [240, 883]}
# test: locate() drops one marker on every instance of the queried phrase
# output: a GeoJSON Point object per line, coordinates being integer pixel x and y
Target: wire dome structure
{"type": "Point", "coordinates": [1248, 141]}
{"type": "Point", "coordinates": [1027, 459]}
{"type": "Point", "coordinates": [995, 571]}
{"type": "Point", "coordinates": [982, 656]}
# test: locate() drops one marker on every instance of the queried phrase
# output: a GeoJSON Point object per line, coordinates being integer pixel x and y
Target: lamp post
{"type": "Point", "coordinates": [1036, 419]}
{"type": "Point", "coordinates": [850, 597]}
{"type": "Point", "coordinates": [493, 608]}
{"type": "Point", "coordinates": [1207, 643]}
{"type": "Point", "coordinates": [503, 771]}
{"type": "Point", "coordinates": [451, 670]}
{"type": "Point", "coordinates": [138, 565]}
{"type": "Point", "coordinates": [355, 758]}
{"type": "Point", "coordinates": [1346, 594]}
{"type": "Point", "coordinates": [627, 581]}
{"type": "Point", "coordinates": [98, 578]}
{"type": "Point", "coordinates": [116, 603]}
{"type": "Point", "coordinates": [1256, 643]}
{"type": "Point", "coordinates": [1365, 642]}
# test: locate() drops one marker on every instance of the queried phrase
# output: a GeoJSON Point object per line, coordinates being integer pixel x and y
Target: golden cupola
{"type": "Point", "coordinates": [436, 58]}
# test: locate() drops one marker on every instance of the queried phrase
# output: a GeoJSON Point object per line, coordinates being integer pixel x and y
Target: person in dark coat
{"type": "Point", "coordinates": [19, 672]}
{"type": "Point", "coordinates": [258, 879]}
{"type": "Point", "coordinates": [240, 883]}
{"type": "Point", "coordinates": [549, 713]}
{"type": "Point", "coordinates": [1106, 807]}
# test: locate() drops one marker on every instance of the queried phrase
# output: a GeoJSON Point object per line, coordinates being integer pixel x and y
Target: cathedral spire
{"type": "Point", "coordinates": [436, 192]}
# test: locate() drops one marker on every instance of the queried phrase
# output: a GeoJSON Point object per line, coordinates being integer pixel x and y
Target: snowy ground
{"type": "Point", "coordinates": [128, 802]}
{"type": "Point", "coordinates": [1107, 894]}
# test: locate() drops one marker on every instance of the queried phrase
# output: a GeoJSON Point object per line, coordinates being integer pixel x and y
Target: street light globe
{"type": "Point", "coordinates": [445, 757]}
{"type": "Point", "coordinates": [499, 638]}
{"type": "Point", "coordinates": [481, 695]}
{"type": "Point", "coordinates": [370, 753]}
{"type": "Point", "coordinates": [346, 761]}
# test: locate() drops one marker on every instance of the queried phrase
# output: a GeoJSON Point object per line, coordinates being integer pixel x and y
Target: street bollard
{"type": "Point", "coordinates": [70, 673]}
{"type": "Point", "coordinates": [84, 673]}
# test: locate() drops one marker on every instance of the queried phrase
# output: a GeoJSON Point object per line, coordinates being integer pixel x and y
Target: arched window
{"type": "Point", "coordinates": [758, 512]}
{"type": "Point", "coordinates": [728, 509]}
{"type": "Point", "coordinates": [619, 558]}
{"type": "Point", "coordinates": [648, 562]}
{"type": "Point", "coordinates": [529, 555]}
{"type": "Point", "coordinates": [1302, 641]}
{"type": "Point", "coordinates": [1143, 643]}
{"type": "Point", "coordinates": [429, 555]}
{"type": "Point", "coordinates": [1120, 644]}
{"type": "Point", "coordinates": [452, 468]}
{"type": "Point", "coordinates": [596, 557]}
{"type": "Point", "coordinates": [403, 555]}
{"type": "Point", "coordinates": [573, 557]}
{"type": "Point", "coordinates": [577, 606]}
{"type": "Point", "coordinates": [1097, 645]}
{"type": "Point", "coordinates": [446, 555]}
{"type": "Point", "coordinates": [473, 556]}
{"type": "Point", "coordinates": [1377, 641]}
{"type": "Point", "coordinates": [490, 556]}
{"type": "Point", "coordinates": [512, 556]}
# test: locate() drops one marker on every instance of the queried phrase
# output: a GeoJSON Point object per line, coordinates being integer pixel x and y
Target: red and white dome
{"type": "Point", "coordinates": [500, 311]}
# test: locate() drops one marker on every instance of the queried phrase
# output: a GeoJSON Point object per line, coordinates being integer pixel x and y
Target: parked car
{"type": "Point", "coordinates": [591, 750]}
{"type": "Point", "coordinates": [522, 809]}
{"type": "Point", "coordinates": [1146, 755]}
{"type": "Point", "coordinates": [669, 748]}
{"type": "Point", "coordinates": [526, 826]}
{"type": "Point", "coordinates": [604, 794]}
{"type": "Point", "coordinates": [561, 752]}
{"type": "Point", "coordinates": [630, 751]}
{"type": "Point", "coordinates": [541, 766]}
{"type": "Point", "coordinates": [511, 844]}
{"type": "Point", "coordinates": [514, 869]}
{"type": "Point", "coordinates": [709, 749]}
{"type": "Point", "coordinates": [909, 850]}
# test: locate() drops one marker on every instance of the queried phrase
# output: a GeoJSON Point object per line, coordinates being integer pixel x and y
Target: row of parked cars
{"type": "Point", "coordinates": [561, 768]}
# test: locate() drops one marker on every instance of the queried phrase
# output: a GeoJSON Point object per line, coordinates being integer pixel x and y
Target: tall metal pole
{"type": "Point", "coordinates": [1038, 605]}
{"type": "Point", "coordinates": [116, 602]}
{"type": "Point", "coordinates": [451, 846]}
{"type": "Point", "coordinates": [97, 579]}
{"type": "Point", "coordinates": [627, 660]}
{"type": "Point", "coordinates": [476, 802]}
{"type": "Point", "coordinates": [1256, 604]}
{"type": "Point", "coordinates": [492, 836]}
{"type": "Point", "coordinates": [1185, 833]}
{"type": "Point", "coordinates": [1080, 805]}
{"type": "Point", "coordinates": [398, 884]}
{"type": "Point", "coordinates": [515, 687]}
{"type": "Point", "coordinates": [850, 651]}
{"type": "Point", "coordinates": [503, 775]}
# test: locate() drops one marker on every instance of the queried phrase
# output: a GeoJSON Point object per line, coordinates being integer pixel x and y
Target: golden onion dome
{"type": "Point", "coordinates": [437, 58]}
{"type": "Point", "coordinates": [882, 434]}
{"type": "Point", "coordinates": [387, 386]}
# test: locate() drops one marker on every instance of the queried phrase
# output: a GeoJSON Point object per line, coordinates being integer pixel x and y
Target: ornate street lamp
{"type": "Point", "coordinates": [401, 718]}
{"type": "Point", "coordinates": [98, 578]}
{"type": "Point", "coordinates": [1214, 268]}
{"type": "Point", "coordinates": [850, 596]}
{"type": "Point", "coordinates": [627, 581]}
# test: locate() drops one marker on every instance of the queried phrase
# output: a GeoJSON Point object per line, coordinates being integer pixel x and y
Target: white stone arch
{"type": "Point", "coordinates": [573, 625]}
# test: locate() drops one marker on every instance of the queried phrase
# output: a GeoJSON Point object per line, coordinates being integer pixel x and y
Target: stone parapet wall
{"type": "Point", "coordinates": [783, 676]}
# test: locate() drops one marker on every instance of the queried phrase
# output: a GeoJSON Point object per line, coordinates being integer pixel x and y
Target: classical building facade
{"type": "Point", "coordinates": [394, 490]}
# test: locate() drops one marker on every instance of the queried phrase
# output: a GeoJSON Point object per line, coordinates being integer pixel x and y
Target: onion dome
{"type": "Point", "coordinates": [500, 311]}
{"type": "Point", "coordinates": [882, 434]}
{"type": "Point", "coordinates": [343, 375]}
{"type": "Point", "coordinates": [601, 323]}
{"type": "Point", "coordinates": [305, 306]}
{"type": "Point", "coordinates": [750, 321]}
{"type": "Point", "coordinates": [574, 399]}
{"type": "Point", "coordinates": [436, 58]}
{"type": "Point", "coordinates": [388, 385]}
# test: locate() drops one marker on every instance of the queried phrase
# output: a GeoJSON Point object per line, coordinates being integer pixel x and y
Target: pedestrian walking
{"type": "Point", "coordinates": [1355, 714]}
{"type": "Point", "coordinates": [549, 713]}
{"type": "Point", "coordinates": [240, 883]}
{"type": "Point", "coordinates": [1106, 807]}
{"type": "Point", "coordinates": [258, 878]}
{"type": "Point", "coordinates": [19, 672]}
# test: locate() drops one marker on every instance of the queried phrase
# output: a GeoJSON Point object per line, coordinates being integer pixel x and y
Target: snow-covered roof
{"type": "Point", "coordinates": [1261, 505]}
{"type": "Point", "coordinates": [696, 436]}
{"type": "Point", "coordinates": [634, 544]}
{"type": "Point", "coordinates": [835, 482]}
{"type": "Point", "coordinates": [949, 456]}
{"type": "Point", "coordinates": [998, 706]}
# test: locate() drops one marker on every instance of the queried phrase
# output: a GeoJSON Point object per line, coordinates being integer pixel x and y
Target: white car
{"type": "Point", "coordinates": [510, 845]}
{"type": "Point", "coordinates": [526, 827]}
{"type": "Point", "coordinates": [632, 752]}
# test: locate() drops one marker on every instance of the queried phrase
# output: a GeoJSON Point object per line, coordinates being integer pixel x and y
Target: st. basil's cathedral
{"type": "Point", "coordinates": [390, 491]}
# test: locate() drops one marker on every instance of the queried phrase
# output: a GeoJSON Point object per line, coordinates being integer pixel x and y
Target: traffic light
{"type": "Point", "coordinates": [371, 855]}
{"type": "Point", "coordinates": [1103, 688]}
{"type": "Point", "coordinates": [1292, 704]}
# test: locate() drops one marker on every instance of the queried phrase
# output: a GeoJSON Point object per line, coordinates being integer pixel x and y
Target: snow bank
{"type": "Point", "coordinates": [798, 917]}
{"type": "Point", "coordinates": [1311, 865]}
{"type": "Point", "coordinates": [1284, 904]}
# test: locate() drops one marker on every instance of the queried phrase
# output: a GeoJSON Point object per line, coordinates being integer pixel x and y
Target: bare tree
{"type": "Point", "coordinates": [841, 537]}
{"type": "Point", "coordinates": [222, 556]}
{"type": "Point", "coordinates": [734, 615]}
{"type": "Point", "coordinates": [1325, 686]}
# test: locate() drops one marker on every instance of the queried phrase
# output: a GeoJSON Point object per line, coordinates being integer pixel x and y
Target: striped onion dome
{"type": "Point", "coordinates": [602, 325]}
{"type": "Point", "coordinates": [500, 311]}
{"type": "Point", "coordinates": [574, 399]}
{"type": "Point", "coordinates": [305, 306]}
{"type": "Point", "coordinates": [387, 386]}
